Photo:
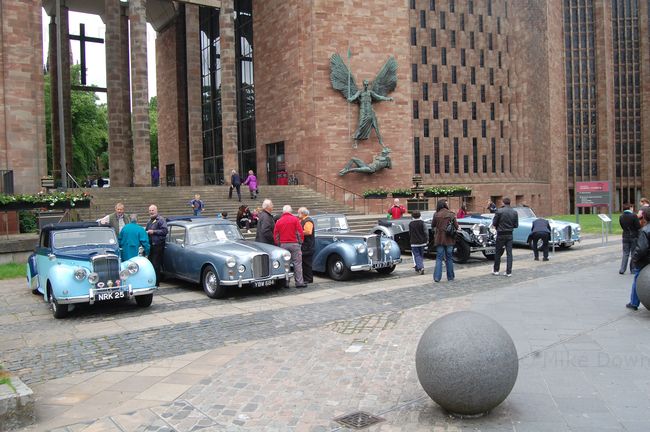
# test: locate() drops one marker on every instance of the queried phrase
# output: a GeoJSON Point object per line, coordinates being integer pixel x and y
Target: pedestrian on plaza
{"type": "Point", "coordinates": [116, 220]}
{"type": "Point", "coordinates": [643, 204]}
{"type": "Point", "coordinates": [444, 241]}
{"type": "Point", "coordinates": [505, 221]}
{"type": "Point", "coordinates": [265, 223]}
{"type": "Point", "coordinates": [155, 176]}
{"type": "Point", "coordinates": [631, 226]}
{"type": "Point", "coordinates": [541, 230]}
{"type": "Point", "coordinates": [235, 183]}
{"type": "Point", "coordinates": [396, 210]}
{"type": "Point", "coordinates": [491, 207]}
{"type": "Point", "coordinates": [132, 238]}
{"type": "Point", "coordinates": [640, 258]}
{"type": "Point", "coordinates": [418, 238]}
{"type": "Point", "coordinates": [308, 245]}
{"type": "Point", "coordinates": [288, 234]}
{"type": "Point", "coordinates": [197, 205]}
{"type": "Point", "coordinates": [251, 182]}
{"type": "Point", "coordinates": [157, 230]}
{"type": "Point", "coordinates": [462, 211]}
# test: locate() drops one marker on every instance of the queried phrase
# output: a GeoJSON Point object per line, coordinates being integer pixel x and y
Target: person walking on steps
{"type": "Point", "coordinates": [251, 182]}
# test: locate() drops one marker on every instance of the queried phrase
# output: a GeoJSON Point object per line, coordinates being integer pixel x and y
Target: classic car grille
{"type": "Point", "coordinates": [261, 266]}
{"type": "Point", "coordinates": [107, 267]}
{"type": "Point", "coordinates": [374, 243]}
{"type": "Point", "coordinates": [568, 232]}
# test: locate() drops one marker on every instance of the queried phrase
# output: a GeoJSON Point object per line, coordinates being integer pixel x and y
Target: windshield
{"type": "Point", "coordinates": [334, 223]}
{"type": "Point", "coordinates": [87, 237]}
{"type": "Point", "coordinates": [215, 232]}
{"type": "Point", "coordinates": [525, 212]}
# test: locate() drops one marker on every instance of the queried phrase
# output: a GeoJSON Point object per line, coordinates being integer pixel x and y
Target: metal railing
{"type": "Point", "coordinates": [334, 191]}
{"type": "Point", "coordinates": [71, 183]}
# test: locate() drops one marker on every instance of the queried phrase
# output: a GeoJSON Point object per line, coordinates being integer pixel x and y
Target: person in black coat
{"type": "Point", "coordinates": [505, 221]}
{"type": "Point", "coordinates": [308, 246]}
{"type": "Point", "coordinates": [541, 230]}
{"type": "Point", "coordinates": [235, 183]}
{"type": "Point", "coordinates": [265, 224]}
{"type": "Point", "coordinates": [640, 258]}
{"type": "Point", "coordinates": [631, 226]}
{"type": "Point", "coordinates": [419, 237]}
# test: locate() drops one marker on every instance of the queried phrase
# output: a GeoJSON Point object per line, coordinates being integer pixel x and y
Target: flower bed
{"type": "Point", "coordinates": [57, 200]}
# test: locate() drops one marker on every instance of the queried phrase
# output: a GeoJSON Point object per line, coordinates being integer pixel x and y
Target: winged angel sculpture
{"type": "Point", "coordinates": [384, 83]}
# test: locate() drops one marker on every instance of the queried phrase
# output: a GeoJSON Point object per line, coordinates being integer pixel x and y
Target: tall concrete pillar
{"type": "Point", "coordinates": [194, 165]}
{"type": "Point", "coordinates": [228, 88]}
{"type": "Point", "coordinates": [644, 52]}
{"type": "Point", "coordinates": [66, 91]}
{"type": "Point", "coordinates": [119, 131]}
{"type": "Point", "coordinates": [140, 94]}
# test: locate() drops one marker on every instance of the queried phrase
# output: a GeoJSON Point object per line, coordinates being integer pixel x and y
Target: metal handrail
{"type": "Point", "coordinates": [335, 189]}
{"type": "Point", "coordinates": [72, 181]}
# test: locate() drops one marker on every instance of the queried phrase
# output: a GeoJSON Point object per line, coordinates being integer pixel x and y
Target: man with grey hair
{"type": "Point", "coordinates": [308, 245]}
{"type": "Point", "coordinates": [288, 234]}
{"type": "Point", "coordinates": [265, 223]}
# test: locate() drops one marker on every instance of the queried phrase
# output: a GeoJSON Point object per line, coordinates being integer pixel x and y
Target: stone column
{"type": "Point", "coordinates": [644, 60]}
{"type": "Point", "coordinates": [140, 94]}
{"type": "Point", "coordinates": [228, 88]}
{"type": "Point", "coordinates": [66, 80]}
{"type": "Point", "coordinates": [119, 147]}
{"type": "Point", "coordinates": [194, 166]}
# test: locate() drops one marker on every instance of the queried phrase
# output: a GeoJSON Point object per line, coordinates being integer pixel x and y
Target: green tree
{"type": "Point", "coordinates": [153, 130]}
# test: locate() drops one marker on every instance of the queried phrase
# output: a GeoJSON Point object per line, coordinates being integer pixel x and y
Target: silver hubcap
{"type": "Point", "coordinates": [338, 266]}
{"type": "Point", "coordinates": [211, 282]}
{"type": "Point", "coordinates": [52, 302]}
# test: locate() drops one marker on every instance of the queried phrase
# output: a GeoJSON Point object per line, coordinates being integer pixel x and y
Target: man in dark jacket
{"type": "Point", "coordinates": [505, 221]}
{"type": "Point", "coordinates": [308, 245]}
{"type": "Point", "coordinates": [631, 226]}
{"type": "Point", "coordinates": [419, 238]}
{"type": "Point", "coordinates": [265, 223]}
{"type": "Point", "coordinates": [640, 258]}
{"type": "Point", "coordinates": [157, 230]}
{"type": "Point", "coordinates": [235, 183]}
{"type": "Point", "coordinates": [541, 230]}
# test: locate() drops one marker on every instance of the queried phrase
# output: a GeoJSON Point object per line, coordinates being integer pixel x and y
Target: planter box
{"type": "Point", "coordinates": [18, 206]}
{"type": "Point", "coordinates": [376, 196]}
{"type": "Point", "coordinates": [399, 195]}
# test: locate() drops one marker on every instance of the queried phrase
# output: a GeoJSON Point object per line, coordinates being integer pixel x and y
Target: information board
{"type": "Point", "coordinates": [593, 194]}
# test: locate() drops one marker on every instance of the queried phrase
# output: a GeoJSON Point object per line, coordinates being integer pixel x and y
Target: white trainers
{"type": "Point", "coordinates": [495, 273]}
{"type": "Point", "coordinates": [508, 274]}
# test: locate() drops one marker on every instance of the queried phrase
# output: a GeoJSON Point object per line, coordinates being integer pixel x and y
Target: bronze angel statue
{"type": "Point", "coordinates": [384, 83]}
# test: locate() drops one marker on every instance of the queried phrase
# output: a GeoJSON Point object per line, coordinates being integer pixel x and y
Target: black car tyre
{"type": "Point", "coordinates": [58, 310]}
{"type": "Point", "coordinates": [336, 268]}
{"type": "Point", "coordinates": [461, 251]}
{"type": "Point", "coordinates": [386, 270]}
{"type": "Point", "coordinates": [210, 283]}
{"type": "Point", "coordinates": [144, 300]}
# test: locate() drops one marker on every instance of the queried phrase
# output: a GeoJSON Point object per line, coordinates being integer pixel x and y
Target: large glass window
{"type": "Point", "coordinates": [246, 145]}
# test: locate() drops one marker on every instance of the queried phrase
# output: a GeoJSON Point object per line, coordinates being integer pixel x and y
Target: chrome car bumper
{"type": "Point", "coordinates": [375, 265]}
{"type": "Point", "coordinates": [241, 282]}
{"type": "Point", "coordinates": [90, 297]}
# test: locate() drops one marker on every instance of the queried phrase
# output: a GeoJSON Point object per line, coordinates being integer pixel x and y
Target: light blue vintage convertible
{"type": "Point", "coordinates": [564, 234]}
{"type": "Point", "coordinates": [339, 251]}
{"type": "Point", "coordinates": [79, 262]}
{"type": "Point", "coordinates": [213, 253]}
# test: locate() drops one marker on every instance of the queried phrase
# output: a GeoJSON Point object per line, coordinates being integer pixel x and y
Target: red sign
{"type": "Point", "coordinates": [593, 194]}
{"type": "Point", "coordinates": [595, 186]}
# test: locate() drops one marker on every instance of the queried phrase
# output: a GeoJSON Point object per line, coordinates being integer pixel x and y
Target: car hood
{"type": "Point", "coordinates": [238, 247]}
{"type": "Point", "coordinates": [344, 234]}
{"type": "Point", "coordinates": [554, 223]}
{"type": "Point", "coordinates": [83, 253]}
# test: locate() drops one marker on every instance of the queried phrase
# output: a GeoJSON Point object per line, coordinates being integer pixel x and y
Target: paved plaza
{"type": "Point", "coordinates": [296, 360]}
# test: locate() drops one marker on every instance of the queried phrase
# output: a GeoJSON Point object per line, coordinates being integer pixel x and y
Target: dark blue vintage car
{"type": "Point", "coordinates": [339, 251]}
{"type": "Point", "coordinates": [213, 253]}
{"type": "Point", "coordinates": [79, 262]}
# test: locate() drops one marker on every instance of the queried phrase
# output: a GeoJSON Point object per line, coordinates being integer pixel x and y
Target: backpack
{"type": "Point", "coordinates": [451, 228]}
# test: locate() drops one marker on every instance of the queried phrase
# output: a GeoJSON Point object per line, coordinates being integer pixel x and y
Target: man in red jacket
{"type": "Point", "coordinates": [397, 210]}
{"type": "Point", "coordinates": [288, 234]}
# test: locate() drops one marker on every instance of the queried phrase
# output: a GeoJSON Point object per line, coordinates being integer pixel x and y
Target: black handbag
{"type": "Point", "coordinates": [451, 228]}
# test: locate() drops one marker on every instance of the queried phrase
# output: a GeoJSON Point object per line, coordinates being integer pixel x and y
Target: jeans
{"type": "Point", "coordinates": [628, 247]}
{"type": "Point", "coordinates": [634, 299]}
{"type": "Point", "coordinates": [197, 212]}
{"type": "Point", "coordinates": [446, 252]}
{"type": "Point", "coordinates": [504, 241]}
{"type": "Point", "coordinates": [545, 237]}
{"type": "Point", "coordinates": [418, 257]}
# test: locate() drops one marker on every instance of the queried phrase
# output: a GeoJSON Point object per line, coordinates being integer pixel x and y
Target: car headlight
{"type": "Point", "coordinates": [124, 274]}
{"type": "Point", "coordinates": [276, 264]}
{"type": "Point", "coordinates": [361, 248]}
{"type": "Point", "coordinates": [80, 274]}
{"type": "Point", "coordinates": [476, 229]}
{"type": "Point", "coordinates": [493, 230]}
{"type": "Point", "coordinates": [286, 255]}
{"type": "Point", "coordinates": [133, 268]}
{"type": "Point", "coordinates": [387, 247]}
{"type": "Point", "coordinates": [371, 252]}
{"type": "Point", "coordinates": [93, 278]}
{"type": "Point", "coordinates": [231, 262]}
{"type": "Point", "coordinates": [241, 268]}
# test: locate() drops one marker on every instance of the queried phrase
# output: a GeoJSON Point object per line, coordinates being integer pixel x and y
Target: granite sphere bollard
{"type": "Point", "coordinates": [467, 363]}
{"type": "Point", "coordinates": [643, 286]}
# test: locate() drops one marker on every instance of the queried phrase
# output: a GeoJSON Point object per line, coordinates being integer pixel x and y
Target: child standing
{"type": "Point", "coordinates": [197, 205]}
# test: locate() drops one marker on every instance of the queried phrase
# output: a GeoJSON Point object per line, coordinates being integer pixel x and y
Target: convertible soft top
{"type": "Point", "coordinates": [69, 225]}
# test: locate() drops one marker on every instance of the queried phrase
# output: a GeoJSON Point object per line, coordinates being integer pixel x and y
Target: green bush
{"type": "Point", "coordinates": [402, 192]}
{"type": "Point", "coordinates": [28, 221]}
{"type": "Point", "coordinates": [372, 192]}
{"type": "Point", "coordinates": [447, 190]}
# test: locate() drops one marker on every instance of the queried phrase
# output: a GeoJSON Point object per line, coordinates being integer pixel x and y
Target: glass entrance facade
{"type": "Point", "coordinates": [246, 150]}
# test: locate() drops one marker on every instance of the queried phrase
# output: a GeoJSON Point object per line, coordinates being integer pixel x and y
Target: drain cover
{"type": "Point", "coordinates": [358, 420]}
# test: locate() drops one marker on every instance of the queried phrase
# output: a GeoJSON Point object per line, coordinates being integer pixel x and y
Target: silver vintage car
{"type": "Point", "coordinates": [213, 252]}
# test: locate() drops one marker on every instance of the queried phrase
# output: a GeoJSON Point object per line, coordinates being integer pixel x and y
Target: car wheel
{"type": "Point", "coordinates": [211, 285]}
{"type": "Point", "coordinates": [336, 268]}
{"type": "Point", "coordinates": [144, 300]}
{"type": "Point", "coordinates": [565, 246]}
{"type": "Point", "coordinates": [58, 310]}
{"type": "Point", "coordinates": [461, 251]}
{"type": "Point", "coordinates": [386, 270]}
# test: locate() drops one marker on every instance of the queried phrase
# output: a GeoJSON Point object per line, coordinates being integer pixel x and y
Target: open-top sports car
{"type": "Point", "coordinates": [564, 234]}
{"type": "Point", "coordinates": [474, 235]}
{"type": "Point", "coordinates": [79, 262]}
{"type": "Point", "coordinates": [340, 251]}
{"type": "Point", "coordinates": [213, 252]}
